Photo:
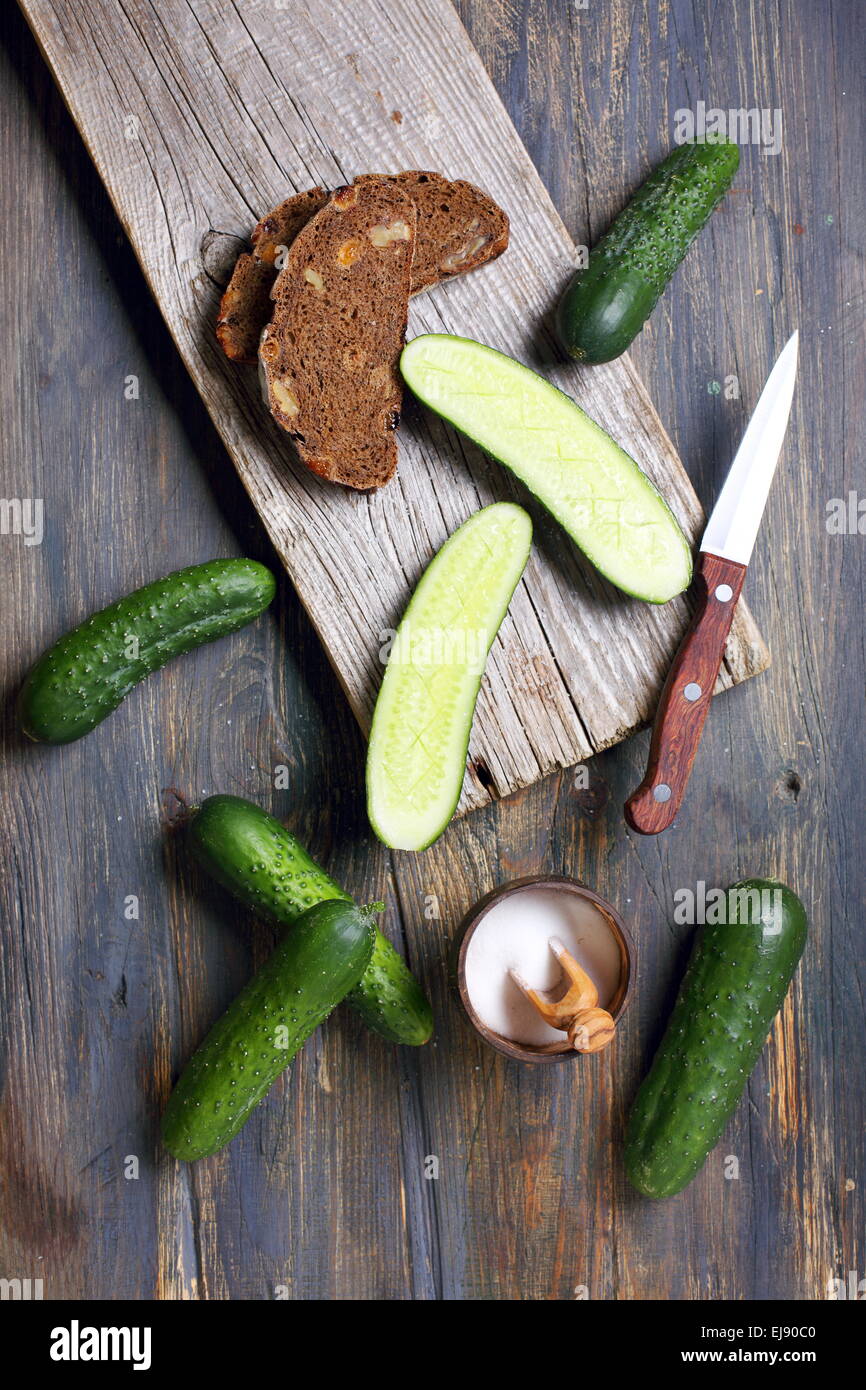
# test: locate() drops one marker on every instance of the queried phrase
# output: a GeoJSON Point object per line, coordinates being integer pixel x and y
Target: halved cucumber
{"type": "Point", "coordinates": [421, 724]}
{"type": "Point", "coordinates": [594, 489]}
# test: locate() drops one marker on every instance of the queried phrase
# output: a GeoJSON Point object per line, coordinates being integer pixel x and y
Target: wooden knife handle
{"type": "Point", "coordinates": [686, 697]}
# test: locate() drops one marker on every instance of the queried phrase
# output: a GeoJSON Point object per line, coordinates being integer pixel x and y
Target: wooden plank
{"type": "Point", "coordinates": [97, 1011]}
{"type": "Point", "coordinates": [531, 1200]}
{"type": "Point", "coordinates": [776, 787]}
{"type": "Point", "coordinates": [199, 119]}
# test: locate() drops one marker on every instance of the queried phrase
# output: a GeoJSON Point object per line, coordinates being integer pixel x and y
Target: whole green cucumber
{"type": "Point", "coordinates": [606, 305]}
{"type": "Point", "coordinates": [734, 986]}
{"type": "Point", "coordinates": [81, 679]}
{"type": "Point", "coordinates": [308, 974]}
{"type": "Point", "coordinates": [264, 866]}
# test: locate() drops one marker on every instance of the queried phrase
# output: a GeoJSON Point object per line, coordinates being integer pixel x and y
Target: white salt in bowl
{"type": "Point", "coordinates": [511, 927]}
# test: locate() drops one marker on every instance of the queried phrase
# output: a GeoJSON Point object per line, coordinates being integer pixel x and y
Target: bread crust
{"type": "Point", "coordinates": [330, 353]}
{"type": "Point", "coordinates": [459, 228]}
{"type": "Point", "coordinates": [246, 303]}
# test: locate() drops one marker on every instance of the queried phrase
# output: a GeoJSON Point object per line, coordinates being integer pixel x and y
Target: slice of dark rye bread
{"type": "Point", "coordinates": [246, 304]}
{"type": "Point", "coordinates": [459, 228]}
{"type": "Point", "coordinates": [331, 350]}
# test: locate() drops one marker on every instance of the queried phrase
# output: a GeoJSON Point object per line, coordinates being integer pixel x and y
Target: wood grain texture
{"type": "Point", "coordinates": [199, 126]}
{"type": "Point", "coordinates": [325, 1193]}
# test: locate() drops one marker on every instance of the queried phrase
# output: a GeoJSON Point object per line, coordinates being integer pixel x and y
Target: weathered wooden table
{"type": "Point", "coordinates": [117, 953]}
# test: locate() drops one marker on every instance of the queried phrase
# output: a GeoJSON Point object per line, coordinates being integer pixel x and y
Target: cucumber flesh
{"type": "Point", "coordinates": [262, 864]}
{"type": "Point", "coordinates": [86, 674]}
{"type": "Point", "coordinates": [421, 724]}
{"type": "Point", "coordinates": [594, 489]}
{"type": "Point", "coordinates": [311, 970]}
{"type": "Point", "coordinates": [734, 985]}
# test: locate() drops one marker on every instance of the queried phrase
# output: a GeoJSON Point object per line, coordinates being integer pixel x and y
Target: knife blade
{"type": "Point", "coordinates": [725, 551]}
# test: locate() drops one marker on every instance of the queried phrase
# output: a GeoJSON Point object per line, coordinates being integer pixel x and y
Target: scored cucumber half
{"type": "Point", "coordinates": [262, 864]}
{"type": "Point", "coordinates": [734, 985]}
{"type": "Point", "coordinates": [311, 970]}
{"type": "Point", "coordinates": [423, 716]}
{"type": "Point", "coordinates": [606, 305]}
{"type": "Point", "coordinates": [594, 489]}
{"type": "Point", "coordinates": [86, 674]}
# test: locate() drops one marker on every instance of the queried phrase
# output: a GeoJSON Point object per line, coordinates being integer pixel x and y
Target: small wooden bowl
{"type": "Point", "coordinates": [548, 1052]}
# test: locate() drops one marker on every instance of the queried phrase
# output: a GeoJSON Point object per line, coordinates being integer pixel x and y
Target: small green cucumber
{"type": "Point", "coordinates": [734, 986]}
{"type": "Point", "coordinates": [606, 305]}
{"type": "Point", "coordinates": [390, 1000]}
{"type": "Point", "coordinates": [311, 970]}
{"type": "Point", "coordinates": [81, 679]}
{"type": "Point", "coordinates": [264, 866]}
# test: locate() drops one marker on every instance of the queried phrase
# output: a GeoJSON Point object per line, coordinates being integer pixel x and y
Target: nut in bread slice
{"type": "Point", "coordinates": [331, 350]}
{"type": "Point", "coordinates": [459, 228]}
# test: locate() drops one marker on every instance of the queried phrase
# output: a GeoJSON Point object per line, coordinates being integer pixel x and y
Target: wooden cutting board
{"type": "Point", "coordinates": [200, 118]}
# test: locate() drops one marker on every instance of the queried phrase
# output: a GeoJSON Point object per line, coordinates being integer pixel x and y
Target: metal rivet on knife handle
{"type": "Point", "coordinates": [682, 707]}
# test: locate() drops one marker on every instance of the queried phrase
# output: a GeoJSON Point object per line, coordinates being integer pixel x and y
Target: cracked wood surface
{"type": "Point", "coordinates": [199, 126]}
{"type": "Point", "coordinates": [325, 1193]}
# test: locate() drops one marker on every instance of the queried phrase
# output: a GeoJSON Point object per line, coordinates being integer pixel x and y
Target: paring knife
{"type": "Point", "coordinates": [726, 549]}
